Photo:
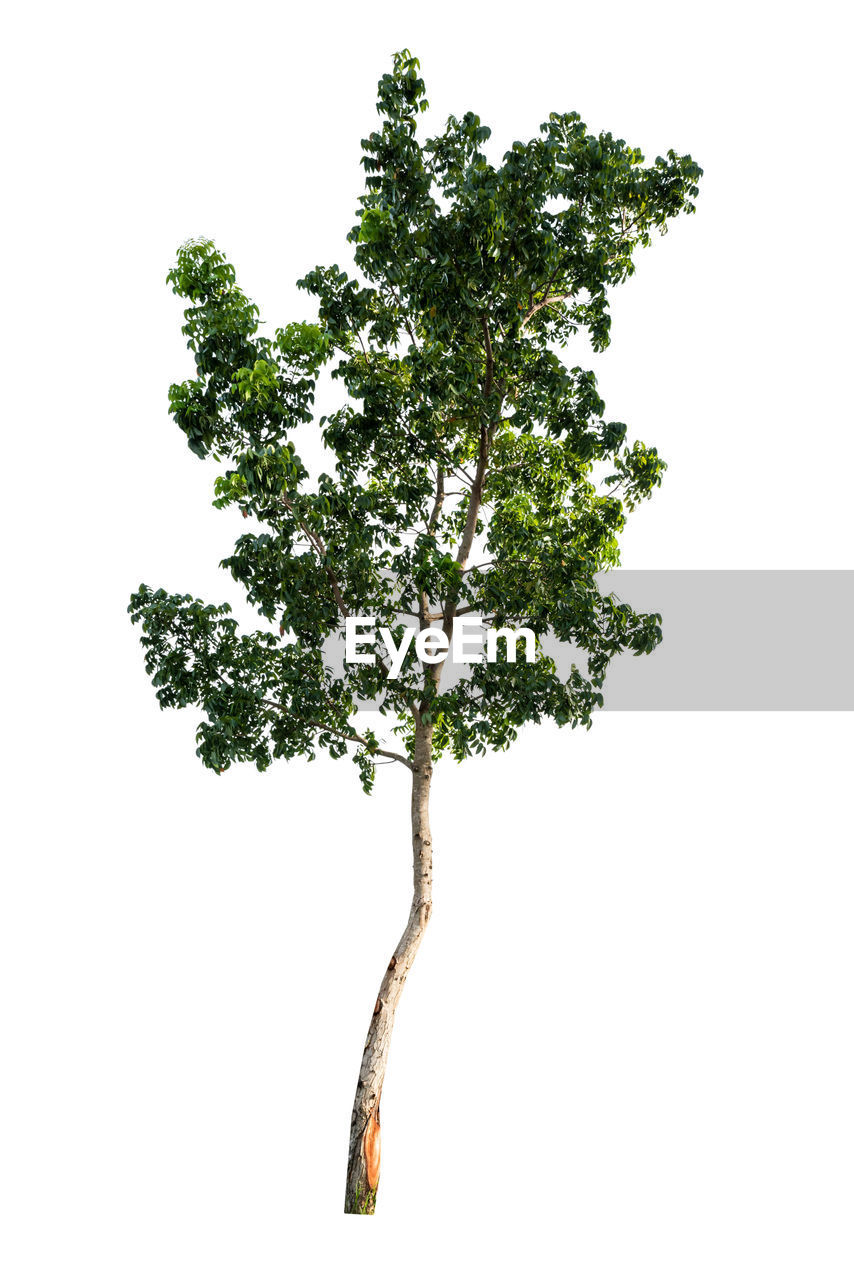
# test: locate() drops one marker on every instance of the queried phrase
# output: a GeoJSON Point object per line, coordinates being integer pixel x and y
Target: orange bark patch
{"type": "Point", "coordinates": [372, 1148]}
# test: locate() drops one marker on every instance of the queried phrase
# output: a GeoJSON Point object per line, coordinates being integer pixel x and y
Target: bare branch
{"type": "Point", "coordinates": [437, 505]}
{"type": "Point", "coordinates": [546, 302]}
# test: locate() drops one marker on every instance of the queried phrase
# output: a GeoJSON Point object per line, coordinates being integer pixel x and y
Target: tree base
{"type": "Point", "coordinates": [363, 1200]}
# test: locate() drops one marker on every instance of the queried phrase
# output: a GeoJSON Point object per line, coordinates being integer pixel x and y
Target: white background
{"type": "Point", "coordinates": [626, 1047]}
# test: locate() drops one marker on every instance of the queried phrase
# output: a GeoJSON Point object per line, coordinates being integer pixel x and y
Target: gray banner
{"type": "Point", "coordinates": [738, 640]}
{"type": "Point", "coordinates": [734, 640]}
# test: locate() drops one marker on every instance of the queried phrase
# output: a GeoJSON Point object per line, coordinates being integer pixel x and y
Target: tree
{"type": "Point", "coordinates": [470, 471]}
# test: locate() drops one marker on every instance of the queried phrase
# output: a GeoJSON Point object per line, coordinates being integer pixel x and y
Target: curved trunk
{"type": "Point", "coordinates": [363, 1164]}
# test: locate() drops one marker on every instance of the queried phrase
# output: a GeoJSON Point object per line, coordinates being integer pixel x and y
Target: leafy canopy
{"type": "Point", "coordinates": [463, 436]}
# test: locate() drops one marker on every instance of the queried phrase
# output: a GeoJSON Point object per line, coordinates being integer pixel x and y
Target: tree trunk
{"type": "Point", "coordinates": [363, 1165]}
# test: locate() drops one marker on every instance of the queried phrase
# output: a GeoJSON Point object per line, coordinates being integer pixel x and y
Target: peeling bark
{"type": "Point", "coordinates": [363, 1164]}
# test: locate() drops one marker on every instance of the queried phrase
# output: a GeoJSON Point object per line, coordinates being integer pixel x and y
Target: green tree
{"type": "Point", "coordinates": [463, 436]}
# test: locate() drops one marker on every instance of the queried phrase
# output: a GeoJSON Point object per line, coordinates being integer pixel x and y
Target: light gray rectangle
{"type": "Point", "coordinates": [738, 640]}
{"type": "Point", "coordinates": [733, 640]}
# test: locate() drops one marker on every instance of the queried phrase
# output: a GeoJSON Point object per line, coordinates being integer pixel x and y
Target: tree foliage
{"type": "Point", "coordinates": [462, 435]}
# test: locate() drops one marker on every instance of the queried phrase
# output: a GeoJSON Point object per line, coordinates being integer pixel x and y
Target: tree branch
{"type": "Point", "coordinates": [348, 737]}
{"type": "Point", "coordinates": [440, 498]}
{"type": "Point", "coordinates": [538, 306]}
{"type": "Point", "coordinates": [320, 547]}
{"type": "Point", "coordinates": [487, 430]}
